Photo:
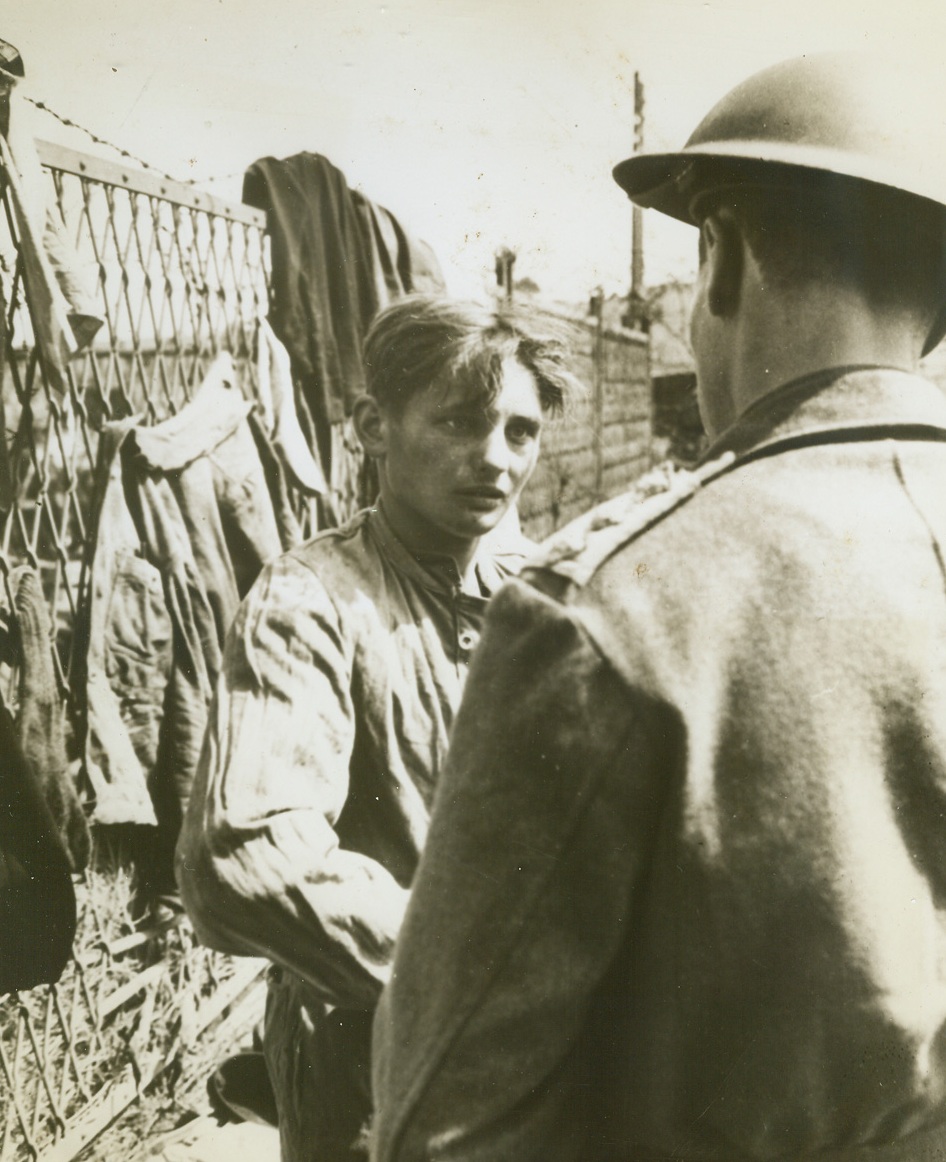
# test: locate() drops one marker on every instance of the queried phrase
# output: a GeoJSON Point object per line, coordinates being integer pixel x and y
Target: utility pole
{"type": "Point", "coordinates": [635, 317]}
{"type": "Point", "coordinates": [505, 261]}
{"type": "Point", "coordinates": [596, 310]}
{"type": "Point", "coordinates": [637, 219]}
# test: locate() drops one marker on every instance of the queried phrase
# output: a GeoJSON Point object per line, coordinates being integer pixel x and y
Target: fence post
{"type": "Point", "coordinates": [597, 388]}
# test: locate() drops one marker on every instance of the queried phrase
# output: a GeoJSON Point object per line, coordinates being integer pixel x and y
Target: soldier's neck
{"type": "Point", "coordinates": [786, 337]}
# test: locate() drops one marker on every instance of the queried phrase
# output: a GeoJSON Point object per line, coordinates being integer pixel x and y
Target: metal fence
{"type": "Point", "coordinates": [178, 276]}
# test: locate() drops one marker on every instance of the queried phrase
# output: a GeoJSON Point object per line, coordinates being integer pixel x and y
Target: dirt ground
{"type": "Point", "coordinates": [172, 1122]}
{"type": "Point", "coordinates": [204, 1140]}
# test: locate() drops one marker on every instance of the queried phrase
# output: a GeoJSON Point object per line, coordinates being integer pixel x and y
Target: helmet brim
{"type": "Point", "coordinates": [667, 182]}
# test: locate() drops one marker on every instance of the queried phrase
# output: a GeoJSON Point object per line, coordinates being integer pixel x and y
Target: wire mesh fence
{"type": "Point", "coordinates": [176, 277]}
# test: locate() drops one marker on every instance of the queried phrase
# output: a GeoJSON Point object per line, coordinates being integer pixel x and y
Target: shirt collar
{"type": "Point", "coordinates": [438, 570]}
{"type": "Point", "coordinates": [865, 396]}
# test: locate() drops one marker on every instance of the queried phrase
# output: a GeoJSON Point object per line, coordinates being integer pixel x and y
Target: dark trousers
{"type": "Point", "coordinates": [319, 1063]}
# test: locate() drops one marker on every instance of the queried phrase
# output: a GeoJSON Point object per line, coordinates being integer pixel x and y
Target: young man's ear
{"type": "Point", "coordinates": [723, 248]}
{"type": "Point", "coordinates": [370, 426]}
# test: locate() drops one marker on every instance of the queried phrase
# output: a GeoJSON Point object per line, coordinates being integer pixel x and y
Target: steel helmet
{"type": "Point", "coordinates": [857, 115]}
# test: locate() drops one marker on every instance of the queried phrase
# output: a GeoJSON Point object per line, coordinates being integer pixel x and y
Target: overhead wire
{"type": "Point", "coordinates": [125, 153]}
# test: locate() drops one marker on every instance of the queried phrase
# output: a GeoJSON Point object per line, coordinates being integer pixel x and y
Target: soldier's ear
{"type": "Point", "coordinates": [723, 246]}
{"type": "Point", "coordinates": [370, 426]}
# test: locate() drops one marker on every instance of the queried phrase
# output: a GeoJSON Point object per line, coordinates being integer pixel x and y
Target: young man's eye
{"type": "Point", "coordinates": [522, 431]}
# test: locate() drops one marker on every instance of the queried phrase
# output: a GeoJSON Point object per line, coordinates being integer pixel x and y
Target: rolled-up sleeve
{"type": "Point", "coordinates": [259, 863]}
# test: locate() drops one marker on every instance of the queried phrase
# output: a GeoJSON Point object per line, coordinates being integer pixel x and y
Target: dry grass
{"type": "Point", "coordinates": [124, 1007]}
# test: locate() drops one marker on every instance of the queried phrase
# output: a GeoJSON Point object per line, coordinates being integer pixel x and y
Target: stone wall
{"type": "Point", "coordinates": [605, 442]}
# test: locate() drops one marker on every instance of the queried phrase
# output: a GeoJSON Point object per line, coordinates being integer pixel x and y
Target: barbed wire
{"type": "Point", "coordinates": [70, 124]}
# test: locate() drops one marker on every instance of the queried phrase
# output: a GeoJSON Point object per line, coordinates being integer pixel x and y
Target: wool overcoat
{"type": "Point", "coordinates": [684, 891]}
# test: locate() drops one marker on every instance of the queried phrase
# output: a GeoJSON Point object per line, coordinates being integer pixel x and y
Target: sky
{"type": "Point", "coordinates": [479, 123]}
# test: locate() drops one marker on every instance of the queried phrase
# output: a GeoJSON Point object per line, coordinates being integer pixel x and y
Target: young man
{"type": "Point", "coordinates": [684, 893]}
{"type": "Point", "coordinates": [342, 674]}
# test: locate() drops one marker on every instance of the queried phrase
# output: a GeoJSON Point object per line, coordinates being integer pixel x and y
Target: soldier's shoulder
{"type": "Point", "coordinates": [576, 553]}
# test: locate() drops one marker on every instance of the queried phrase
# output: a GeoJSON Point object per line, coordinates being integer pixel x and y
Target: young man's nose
{"type": "Point", "coordinates": [493, 451]}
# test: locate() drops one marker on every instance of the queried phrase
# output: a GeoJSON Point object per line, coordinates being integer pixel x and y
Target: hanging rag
{"type": "Point", "coordinates": [60, 289]}
{"type": "Point", "coordinates": [323, 293]}
{"type": "Point", "coordinates": [278, 411]}
{"type": "Point", "coordinates": [37, 896]}
{"type": "Point", "coordinates": [39, 722]}
{"type": "Point", "coordinates": [336, 260]}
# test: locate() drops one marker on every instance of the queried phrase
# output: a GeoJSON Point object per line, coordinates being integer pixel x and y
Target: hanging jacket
{"type": "Point", "coordinates": [183, 523]}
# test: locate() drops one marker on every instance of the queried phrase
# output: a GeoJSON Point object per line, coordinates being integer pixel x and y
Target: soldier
{"type": "Point", "coordinates": [684, 892]}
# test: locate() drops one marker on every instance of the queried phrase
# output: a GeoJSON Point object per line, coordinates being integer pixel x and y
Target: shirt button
{"type": "Point", "coordinates": [467, 639]}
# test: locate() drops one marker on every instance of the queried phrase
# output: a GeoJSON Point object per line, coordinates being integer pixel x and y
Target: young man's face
{"type": "Point", "coordinates": [452, 467]}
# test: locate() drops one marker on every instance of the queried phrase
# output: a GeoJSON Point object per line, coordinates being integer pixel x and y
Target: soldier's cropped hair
{"type": "Point", "coordinates": [811, 228]}
{"type": "Point", "coordinates": [425, 341]}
